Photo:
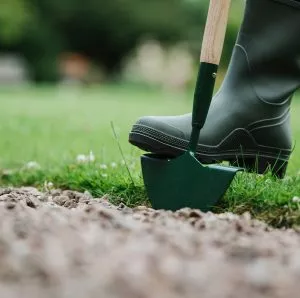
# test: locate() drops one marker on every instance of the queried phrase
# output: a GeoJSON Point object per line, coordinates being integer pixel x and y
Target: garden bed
{"type": "Point", "coordinates": [68, 244]}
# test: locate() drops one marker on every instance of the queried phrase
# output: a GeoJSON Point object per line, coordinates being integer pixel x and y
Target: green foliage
{"type": "Point", "coordinates": [266, 198]}
{"type": "Point", "coordinates": [106, 31]}
{"type": "Point", "coordinates": [14, 16]}
{"type": "Point", "coordinates": [111, 182]}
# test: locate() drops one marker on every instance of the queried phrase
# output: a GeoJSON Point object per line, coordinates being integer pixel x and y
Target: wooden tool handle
{"type": "Point", "coordinates": [215, 30]}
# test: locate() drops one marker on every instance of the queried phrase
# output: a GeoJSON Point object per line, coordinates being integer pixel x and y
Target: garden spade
{"type": "Point", "coordinates": [175, 183]}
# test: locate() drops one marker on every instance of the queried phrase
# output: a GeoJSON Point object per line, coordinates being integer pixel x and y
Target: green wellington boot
{"type": "Point", "coordinates": [248, 123]}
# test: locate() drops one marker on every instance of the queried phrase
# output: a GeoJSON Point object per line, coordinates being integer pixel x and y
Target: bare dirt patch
{"type": "Point", "coordinates": [67, 244]}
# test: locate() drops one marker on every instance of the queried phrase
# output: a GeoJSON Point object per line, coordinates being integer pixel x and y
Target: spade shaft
{"type": "Point", "coordinates": [212, 45]}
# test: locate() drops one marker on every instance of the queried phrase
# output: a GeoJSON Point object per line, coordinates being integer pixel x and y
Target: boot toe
{"type": "Point", "coordinates": [154, 126]}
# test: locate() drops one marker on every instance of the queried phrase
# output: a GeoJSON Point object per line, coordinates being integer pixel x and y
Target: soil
{"type": "Point", "coordinates": [67, 244]}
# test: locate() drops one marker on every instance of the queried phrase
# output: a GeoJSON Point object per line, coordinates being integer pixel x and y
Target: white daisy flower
{"type": "Point", "coordinates": [32, 165]}
{"type": "Point", "coordinates": [103, 166]}
{"type": "Point", "coordinates": [296, 200]}
{"type": "Point", "coordinates": [81, 158]}
{"type": "Point", "coordinates": [113, 165]}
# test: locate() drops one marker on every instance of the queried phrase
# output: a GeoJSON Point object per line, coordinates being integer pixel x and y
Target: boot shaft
{"type": "Point", "coordinates": [269, 40]}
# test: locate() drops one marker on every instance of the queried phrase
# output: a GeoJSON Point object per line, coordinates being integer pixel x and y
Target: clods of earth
{"type": "Point", "coordinates": [68, 244]}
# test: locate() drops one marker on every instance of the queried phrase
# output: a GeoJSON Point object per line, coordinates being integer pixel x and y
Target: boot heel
{"type": "Point", "coordinates": [261, 165]}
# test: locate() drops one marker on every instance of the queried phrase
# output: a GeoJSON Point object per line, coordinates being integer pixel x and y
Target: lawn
{"type": "Point", "coordinates": [52, 126]}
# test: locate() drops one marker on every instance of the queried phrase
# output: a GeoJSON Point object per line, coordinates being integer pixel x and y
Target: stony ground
{"type": "Point", "coordinates": [67, 244]}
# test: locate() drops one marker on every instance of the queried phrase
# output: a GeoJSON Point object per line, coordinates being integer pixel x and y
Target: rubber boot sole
{"type": "Point", "coordinates": [258, 159]}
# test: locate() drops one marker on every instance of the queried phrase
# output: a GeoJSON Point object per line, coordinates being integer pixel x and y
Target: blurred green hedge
{"type": "Point", "coordinates": [104, 30]}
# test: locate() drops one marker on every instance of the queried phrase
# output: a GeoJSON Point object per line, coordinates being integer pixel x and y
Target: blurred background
{"type": "Point", "coordinates": [98, 41]}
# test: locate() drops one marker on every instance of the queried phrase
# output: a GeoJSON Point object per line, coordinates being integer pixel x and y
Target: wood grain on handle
{"type": "Point", "coordinates": [215, 30]}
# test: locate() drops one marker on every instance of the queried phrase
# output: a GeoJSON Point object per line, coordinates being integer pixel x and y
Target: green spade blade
{"type": "Point", "coordinates": [182, 182]}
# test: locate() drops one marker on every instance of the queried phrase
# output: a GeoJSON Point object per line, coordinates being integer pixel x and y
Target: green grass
{"type": "Point", "coordinates": [53, 125]}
